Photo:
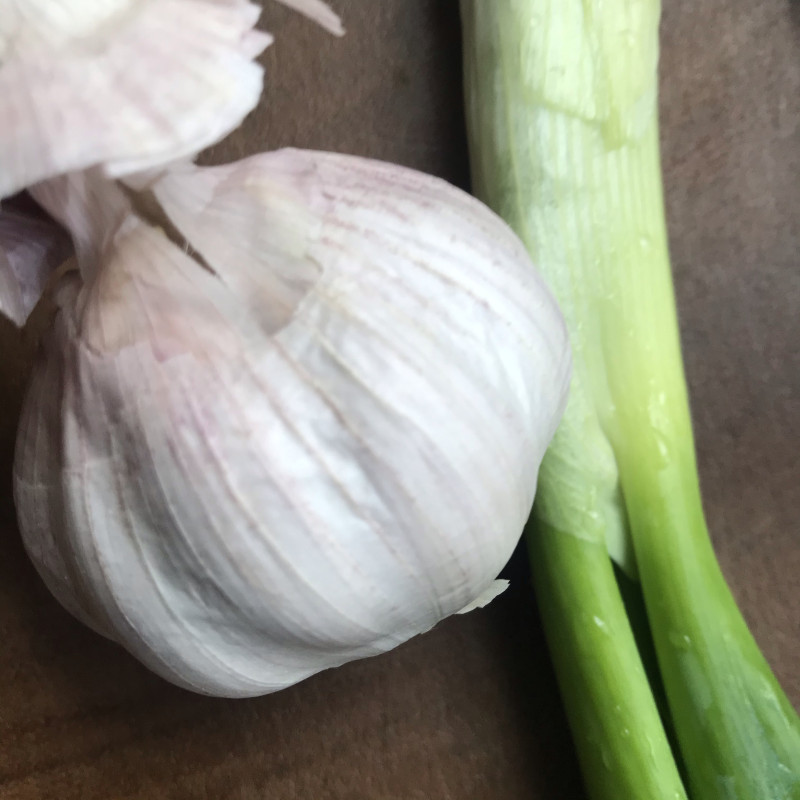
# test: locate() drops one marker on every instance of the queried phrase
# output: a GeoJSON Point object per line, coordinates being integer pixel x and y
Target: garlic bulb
{"type": "Point", "coordinates": [128, 84]}
{"type": "Point", "coordinates": [297, 423]}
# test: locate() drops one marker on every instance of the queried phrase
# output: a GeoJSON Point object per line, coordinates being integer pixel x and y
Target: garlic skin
{"type": "Point", "coordinates": [31, 249]}
{"type": "Point", "coordinates": [122, 86]}
{"type": "Point", "coordinates": [128, 84]}
{"type": "Point", "coordinates": [303, 438]}
{"type": "Point", "coordinates": [319, 12]}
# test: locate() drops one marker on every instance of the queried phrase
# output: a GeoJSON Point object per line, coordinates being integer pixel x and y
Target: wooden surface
{"type": "Point", "coordinates": [469, 711]}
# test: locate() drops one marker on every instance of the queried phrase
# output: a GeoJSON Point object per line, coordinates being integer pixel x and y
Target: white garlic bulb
{"type": "Point", "coordinates": [305, 436]}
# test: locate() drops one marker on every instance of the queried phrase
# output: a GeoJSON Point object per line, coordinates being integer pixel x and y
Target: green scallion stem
{"type": "Point", "coordinates": [562, 116]}
{"type": "Point", "coordinates": [621, 744]}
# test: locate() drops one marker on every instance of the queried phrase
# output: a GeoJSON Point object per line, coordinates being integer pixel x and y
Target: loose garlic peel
{"type": "Point", "coordinates": [31, 249]}
{"type": "Point", "coordinates": [125, 84]}
{"type": "Point", "coordinates": [308, 448]}
{"type": "Point", "coordinates": [119, 86]}
{"type": "Point", "coordinates": [128, 84]}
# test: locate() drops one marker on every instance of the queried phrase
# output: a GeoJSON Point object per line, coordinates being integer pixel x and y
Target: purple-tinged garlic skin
{"type": "Point", "coordinates": [123, 84]}
{"type": "Point", "coordinates": [303, 438]}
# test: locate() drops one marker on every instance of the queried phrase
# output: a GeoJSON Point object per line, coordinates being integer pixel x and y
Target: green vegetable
{"type": "Point", "coordinates": [562, 116]}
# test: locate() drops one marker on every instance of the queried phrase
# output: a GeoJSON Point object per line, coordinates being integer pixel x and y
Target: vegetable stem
{"type": "Point", "coordinates": [616, 727]}
{"type": "Point", "coordinates": [561, 102]}
{"type": "Point", "coordinates": [519, 150]}
{"type": "Point", "coordinates": [737, 730]}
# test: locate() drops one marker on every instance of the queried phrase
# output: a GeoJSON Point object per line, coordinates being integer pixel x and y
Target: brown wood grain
{"type": "Point", "coordinates": [470, 710]}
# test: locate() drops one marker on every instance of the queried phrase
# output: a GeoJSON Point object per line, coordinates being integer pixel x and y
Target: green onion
{"type": "Point", "coordinates": [562, 116]}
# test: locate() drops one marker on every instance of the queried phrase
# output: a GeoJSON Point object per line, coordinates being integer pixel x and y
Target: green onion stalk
{"type": "Point", "coordinates": [561, 99]}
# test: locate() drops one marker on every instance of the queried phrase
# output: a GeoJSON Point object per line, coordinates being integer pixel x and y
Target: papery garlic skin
{"type": "Point", "coordinates": [122, 86]}
{"type": "Point", "coordinates": [31, 249]}
{"type": "Point", "coordinates": [127, 84]}
{"type": "Point", "coordinates": [244, 478]}
{"type": "Point", "coordinates": [318, 11]}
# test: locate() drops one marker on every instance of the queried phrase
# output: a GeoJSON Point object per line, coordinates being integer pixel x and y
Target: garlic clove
{"type": "Point", "coordinates": [31, 250]}
{"type": "Point", "coordinates": [128, 84]}
{"type": "Point", "coordinates": [39, 503]}
{"type": "Point", "coordinates": [318, 11]}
